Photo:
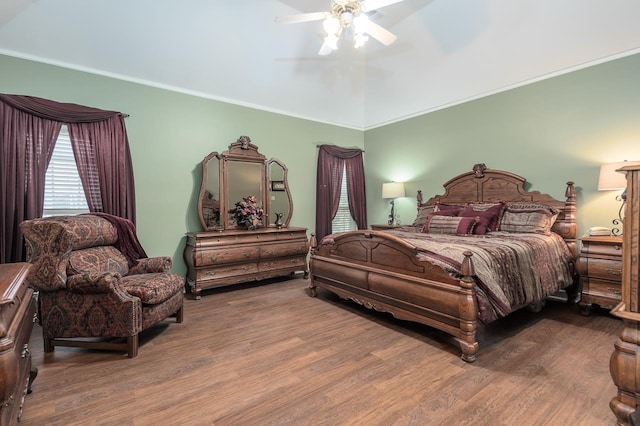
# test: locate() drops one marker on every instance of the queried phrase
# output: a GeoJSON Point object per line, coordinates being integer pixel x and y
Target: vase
{"type": "Point", "coordinates": [278, 221]}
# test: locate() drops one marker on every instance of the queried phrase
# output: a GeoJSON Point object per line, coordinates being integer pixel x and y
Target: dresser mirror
{"type": "Point", "coordinates": [209, 199]}
{"type": "Point", "coordinates": [237, 173]}
{"type": "Point", "coordinates": [280, 204]}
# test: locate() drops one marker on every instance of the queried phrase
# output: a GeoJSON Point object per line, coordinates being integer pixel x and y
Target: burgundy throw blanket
{"type": "Point", "coordinates": [128, 242]}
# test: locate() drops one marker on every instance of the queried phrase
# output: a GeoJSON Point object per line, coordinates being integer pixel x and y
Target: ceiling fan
{"type": "Point", "coordinates": [346, 15]}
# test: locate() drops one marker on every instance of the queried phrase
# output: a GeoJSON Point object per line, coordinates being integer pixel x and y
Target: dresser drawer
{"type": "Point", "coordinates": [284, 263]}
{"type": "Point", "coordinates": [222, 255]}
{"type": "Point", "coordinates": [222, 272]}
{"type": "Point", "coordinates": [292, 234]}
{"type": "Point", "coordinates": [604, 269]}
{"type": "Point", "coordinates": [284, 249]}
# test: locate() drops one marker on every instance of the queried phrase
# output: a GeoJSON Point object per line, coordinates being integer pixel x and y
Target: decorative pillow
{"type": "Point", "coordinates": [528, 218]}
{"type": "Point", "coordinates": [423, 212]}
{"type": "Point", "coordinates": [492, 212]}
{"type": "Point", "coordinates": [482, 225]}
{"type": "Point", "coordinates": [439, 224]}
{"type": "Point", "coordinates": [443, 207]}
{"type": "Point", "coordinates": [97, 259]}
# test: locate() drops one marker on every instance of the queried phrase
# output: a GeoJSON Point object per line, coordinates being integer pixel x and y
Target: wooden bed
{"type": "Point", "coordinates": [383, 272]}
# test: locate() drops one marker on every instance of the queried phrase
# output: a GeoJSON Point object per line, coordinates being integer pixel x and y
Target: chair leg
{"type": "Point", "coordinates": [132, 346]}
{"type": "Point", "coordinates": [180, 314]}
{"type": "Point", "coordinates": [48, 346]}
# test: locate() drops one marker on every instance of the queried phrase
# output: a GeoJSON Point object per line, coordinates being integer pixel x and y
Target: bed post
{"type": "Point", "coordinates": [468, 308]}
{"type": "Point", "coordinates": [570, 228]}
{"type": "Point", "coordinates": [567, 227]}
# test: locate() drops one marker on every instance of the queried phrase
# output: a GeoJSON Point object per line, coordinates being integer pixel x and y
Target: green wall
{"type": "Point", "coordinates": [171, 133]}
{"type": "Point", "coordinates": [549, 132]}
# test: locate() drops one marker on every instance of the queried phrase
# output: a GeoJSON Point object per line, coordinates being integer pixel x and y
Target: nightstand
{"type": "Point", "coordinates": [600, 269]}
{"type": "Point", "coordinates": [380, 227]}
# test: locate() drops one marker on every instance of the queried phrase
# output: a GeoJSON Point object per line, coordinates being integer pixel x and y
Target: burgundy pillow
{"type": "Point", "coordinates": [443, 208]}
{"type": "Point", "coordinates": [482, 225]}
{"type": "Point", "coordinates": [440, 224]}
{"type": "Point", "coordinates": [492, 212]}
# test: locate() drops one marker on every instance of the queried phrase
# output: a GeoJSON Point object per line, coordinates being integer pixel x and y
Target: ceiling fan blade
{"type": "Point", "coordinates": [381, 34]}
{"type": "Point", "coordinates": [301, 17]}
{"type": "Point", "coordinates": [325, 49]}
{"type": "Point", "coordinates": [369, 5]}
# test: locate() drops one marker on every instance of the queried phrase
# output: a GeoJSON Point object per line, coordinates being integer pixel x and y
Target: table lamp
{"type": "Point", "coordinates": [393, 190]}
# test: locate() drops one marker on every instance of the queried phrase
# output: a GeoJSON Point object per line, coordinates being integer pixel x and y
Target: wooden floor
{"type": "Point", "coordinates": [271, 355]}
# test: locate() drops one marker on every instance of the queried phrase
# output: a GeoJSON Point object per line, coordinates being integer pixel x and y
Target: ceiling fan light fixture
{"type": "Point", "coordinates": [331, 41]}
{"type": "Point", "coordinates": [347, 16]}
{"type": "Point", "coordinates": [331, 25]}
{"type": "Point", "coordinates": [359, 23]}
{"type": "Point", "coordinates": [359, 39]}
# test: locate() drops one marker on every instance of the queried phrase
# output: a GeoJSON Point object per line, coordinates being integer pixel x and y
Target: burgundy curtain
{"type": "Point", "coordinates": [29, 127]}
{"type": "Point", "coordinates": [102, 154]}
{"type": "Point", "coordinates": [27, 145]}
{"type": "Point", "coordinates": [332, 160]}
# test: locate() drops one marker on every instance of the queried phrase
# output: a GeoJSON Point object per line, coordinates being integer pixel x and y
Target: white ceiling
{"type": "Point", "coordinates": [447, 52]}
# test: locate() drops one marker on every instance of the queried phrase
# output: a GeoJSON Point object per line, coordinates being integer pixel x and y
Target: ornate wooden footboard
{"type": "Point", "coordinates": [383, 272]}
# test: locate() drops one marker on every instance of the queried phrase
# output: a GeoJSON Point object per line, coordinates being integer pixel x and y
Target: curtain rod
{"type": "Point", "coordinates": [124, 115]}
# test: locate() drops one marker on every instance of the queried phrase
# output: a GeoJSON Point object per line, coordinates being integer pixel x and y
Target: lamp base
{"type": "Point", "coordinates": [392, 216]}
{"type": "Point", "coordinates": [619, 221]}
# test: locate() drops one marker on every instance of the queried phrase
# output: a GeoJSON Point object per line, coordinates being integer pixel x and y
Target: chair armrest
{"type": "Point", "coordinates": [151, 265]}
{"type": "Point", "coordinates": [93, 282]}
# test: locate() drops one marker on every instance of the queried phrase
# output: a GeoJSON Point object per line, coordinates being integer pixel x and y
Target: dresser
{"type": "Point", "coordinates": [228, 257]}
{"type": "Point", "coordinates": [17, 314]}
{"type": "Point", "coordinates": [600, 269]}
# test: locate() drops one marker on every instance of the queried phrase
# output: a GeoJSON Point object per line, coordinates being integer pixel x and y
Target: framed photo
{"type": "Point", "coordinates": [277, 185]}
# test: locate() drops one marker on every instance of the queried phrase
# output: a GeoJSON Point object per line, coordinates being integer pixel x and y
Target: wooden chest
{"type": "Point", "coordinates": [224, 258]}
{"type": "Point", "coordinates": [17, 314]}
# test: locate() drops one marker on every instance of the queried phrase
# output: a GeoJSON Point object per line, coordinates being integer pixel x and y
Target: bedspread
{"type": "Point", "coordinates": [513, 270]}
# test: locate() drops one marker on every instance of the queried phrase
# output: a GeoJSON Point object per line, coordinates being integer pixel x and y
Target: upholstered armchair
{"type": "Point", "coordinates": [90, 294]}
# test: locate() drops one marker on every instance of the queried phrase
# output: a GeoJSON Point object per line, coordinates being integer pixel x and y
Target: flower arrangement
{"type": "Point", "coordinates": [248, 213]}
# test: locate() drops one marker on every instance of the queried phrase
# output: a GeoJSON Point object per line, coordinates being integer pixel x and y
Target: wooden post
{"type": "Point", "coordinates": [625, 360]}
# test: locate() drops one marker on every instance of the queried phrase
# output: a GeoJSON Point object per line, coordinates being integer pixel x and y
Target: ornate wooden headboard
{"type": "Point", "coordinates": [486, 185]}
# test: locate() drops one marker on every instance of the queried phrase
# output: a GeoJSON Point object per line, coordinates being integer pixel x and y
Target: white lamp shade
{"type": "Point", "coordinates": [393, 190]}
{"type": "Point", "coordinates": [610, 179]}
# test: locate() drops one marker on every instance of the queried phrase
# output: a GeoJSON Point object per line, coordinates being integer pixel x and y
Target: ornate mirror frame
{"type": "Point", "coordinates": [239, 172]}
{"type": "Point", "coordinates": [280, 201]}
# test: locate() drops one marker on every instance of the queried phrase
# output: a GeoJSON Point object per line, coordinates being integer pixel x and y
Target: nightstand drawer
{"type": "Point", "coordinates": [597, 250]}
{"type": "Point", "coordinates": [605, 269]}
{"type": "Point", "coordinates": [606, 289]}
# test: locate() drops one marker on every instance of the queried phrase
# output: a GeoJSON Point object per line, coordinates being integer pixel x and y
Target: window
{"type": "Point", "coordinates": [343, 221]}
{"type": "Point", "coordinates": [63, 193]}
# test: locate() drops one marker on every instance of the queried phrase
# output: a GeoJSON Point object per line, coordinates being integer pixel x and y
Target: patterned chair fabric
{"type": "Point", "coordinates": [87, 288]}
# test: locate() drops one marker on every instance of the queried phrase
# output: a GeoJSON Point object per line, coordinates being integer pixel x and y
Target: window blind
{"type": "Point", "coordinates": [63, 193]}
{"type": "Point", "coordinates": [343, 221]}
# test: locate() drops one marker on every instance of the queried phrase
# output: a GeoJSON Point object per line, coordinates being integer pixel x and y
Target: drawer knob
{"type": "Point", "coordinates": [617, 247]}
{"type": "Point", "coordinates": [613, 290]}
{"type": "Point", "coordinates": [613, 271]}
